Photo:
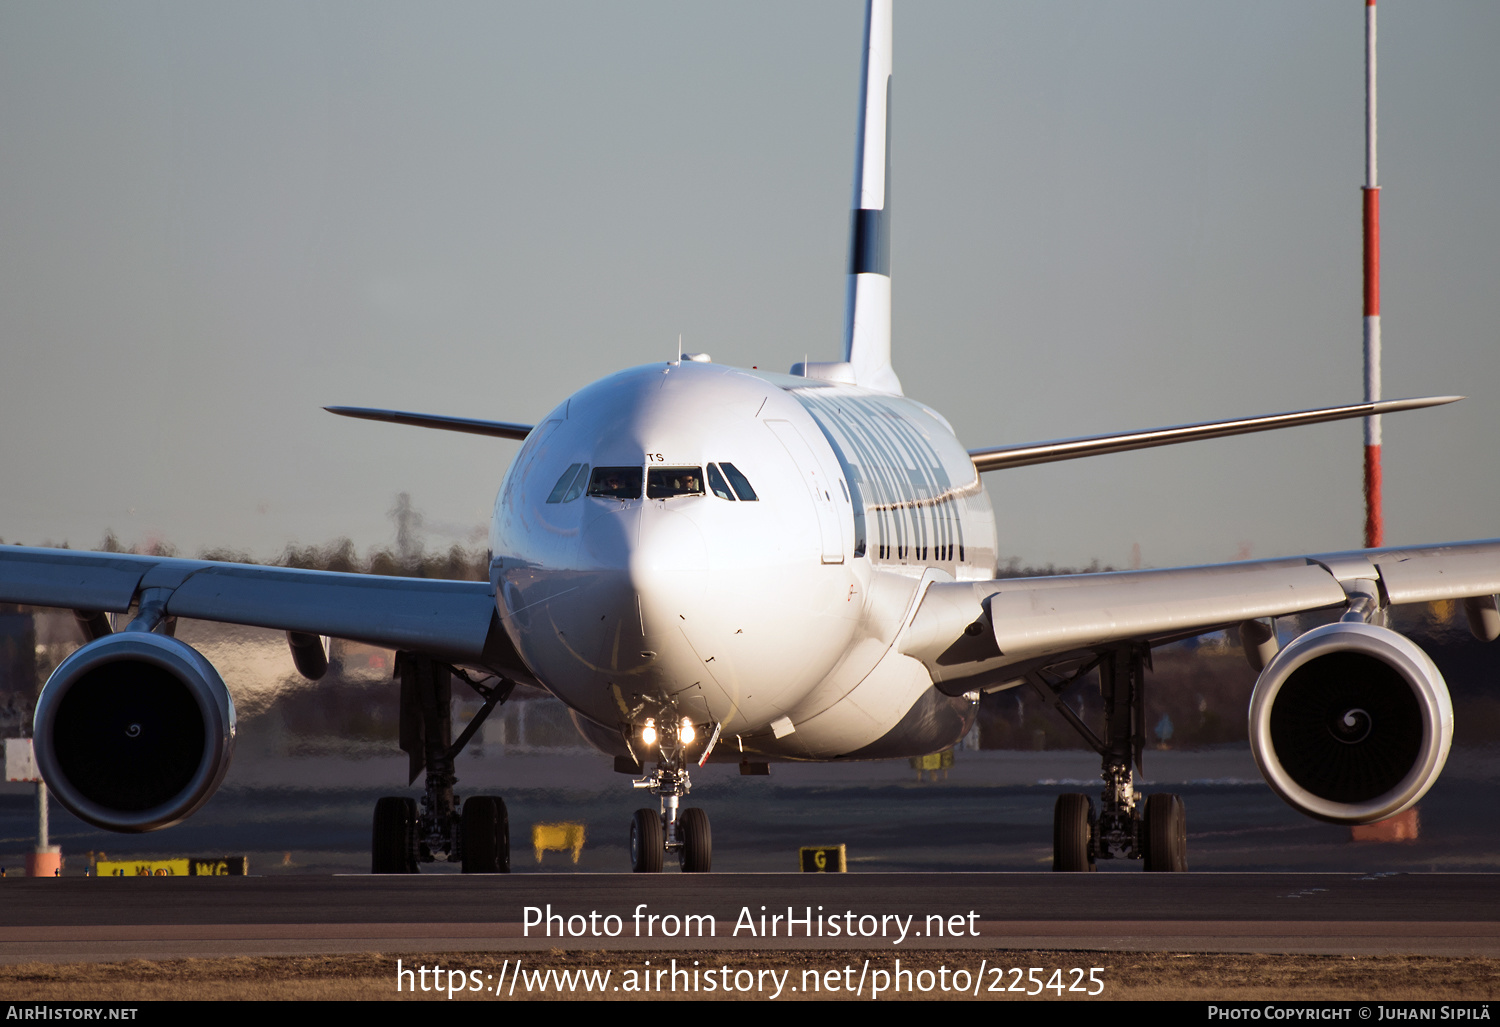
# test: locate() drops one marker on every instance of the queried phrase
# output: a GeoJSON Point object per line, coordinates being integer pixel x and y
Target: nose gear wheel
{"type": "Point", "coordinates": [646, 842]}
{"type": "Point", "coordinates": [697, 851]}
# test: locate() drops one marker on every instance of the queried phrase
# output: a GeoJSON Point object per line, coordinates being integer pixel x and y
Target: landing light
{"type": "Point", "coordinates": [648, 733]}
{"type": "Point", "coordinates": [687, 734]}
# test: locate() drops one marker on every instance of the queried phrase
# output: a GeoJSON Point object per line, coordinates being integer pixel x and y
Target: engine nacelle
{"type": "Point", "coordinates": [134, 731]}
{"type": "Point", "coordinates": [1351, 723]}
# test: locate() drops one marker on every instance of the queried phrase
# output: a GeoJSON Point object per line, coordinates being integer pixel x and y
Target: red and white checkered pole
{"type": "Point", "coordinates": [1374, 523]}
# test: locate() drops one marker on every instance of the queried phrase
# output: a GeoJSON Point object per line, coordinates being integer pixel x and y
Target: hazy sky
{"type": "Point", "coordinates": [217, 218]}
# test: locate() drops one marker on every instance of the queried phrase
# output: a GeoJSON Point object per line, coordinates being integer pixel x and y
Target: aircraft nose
{"type": "Point", "coordinates": [647, 546]}
{"type": "Point", "coordinates": [668, 565]}
{"type": "Point", "coordinates": [644, 577]}
{"type": "Point", "coordinates": [609, 537]}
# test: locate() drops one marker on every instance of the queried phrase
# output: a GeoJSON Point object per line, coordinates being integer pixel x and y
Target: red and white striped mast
{"type": "Point", "coordinates": [1374, 523]}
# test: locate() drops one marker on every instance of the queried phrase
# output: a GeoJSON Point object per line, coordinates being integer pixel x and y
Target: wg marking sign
{"type": "Point", "coordinates": [191, 866]}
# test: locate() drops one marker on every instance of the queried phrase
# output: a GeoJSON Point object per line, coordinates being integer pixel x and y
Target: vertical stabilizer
{"type": "Point", "coordinates": [867, 312]}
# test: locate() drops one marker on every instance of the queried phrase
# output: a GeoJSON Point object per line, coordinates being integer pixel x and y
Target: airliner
{"type": "Point", "coordinates": [709, 563]}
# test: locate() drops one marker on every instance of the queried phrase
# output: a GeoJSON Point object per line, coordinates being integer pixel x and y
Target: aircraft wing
{"type": "Point", "coordinates": [496, 429]}
{"type": "Point", "coordinates": [455, 621]}
{"type": "Point", "coordinates": [984, 634]}
{"type": "Point", "coordinates": [996, 458]}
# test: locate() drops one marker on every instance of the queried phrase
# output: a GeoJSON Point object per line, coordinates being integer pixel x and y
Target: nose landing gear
{"type": "Point", "coordinates": [674, 829]}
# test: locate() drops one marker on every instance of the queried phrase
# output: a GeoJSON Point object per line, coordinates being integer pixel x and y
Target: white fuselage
{"type": "Point", "coordinates": [774, 617]}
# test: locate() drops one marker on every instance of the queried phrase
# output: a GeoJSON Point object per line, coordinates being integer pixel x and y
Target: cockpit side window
{"type": "Point", "coordinates": [576, 489]}
{"type": "Point", "coordinates": [740, 482]}
{"type": "Point", "coordinates": [562, 483]}
{"type": "Point", "coordinates": [717, 485]}
{"type": "Point", "coordinates": [615, 483]}
{"type": "Point", "coordinates": [667, 482]}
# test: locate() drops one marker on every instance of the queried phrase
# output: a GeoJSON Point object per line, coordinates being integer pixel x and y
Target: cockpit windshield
{"type": "Point", "coordinates": [615, 483]}
{"type": "Point", "coordinates": [666, 482]}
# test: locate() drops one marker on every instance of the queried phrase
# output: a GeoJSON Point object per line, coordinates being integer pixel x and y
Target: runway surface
{"type": "Point", "coordinates": [972, 842]}
{"type": "Point", "coordinates": [992, 811]}
{"type": "Point", "coordinates": [158, 918]}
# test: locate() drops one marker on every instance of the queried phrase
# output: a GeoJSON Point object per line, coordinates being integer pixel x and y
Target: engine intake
{"type": "Point", "coordinates": [1351, 723]}
{"type": "Point", "coordinates": [134, 731]}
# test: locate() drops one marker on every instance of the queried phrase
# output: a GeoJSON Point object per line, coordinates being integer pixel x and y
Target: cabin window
{"type": "Point", "coordinates": [561, 487]}
{"type": "Point", "coordinates": [740, 482]}
{"type": "Point", "coordinates": [717, 485]}
{"type": "Point", "coordinates": [615, 483]}
{"type": "Point", "coordinates": [667, 482]}
{"type": "Point", "coordinates": [856, 506]}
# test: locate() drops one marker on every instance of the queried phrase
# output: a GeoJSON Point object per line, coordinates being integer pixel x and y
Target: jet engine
{"type": "Point", "coordinates": [134, 731]}
{"type": "Point", "coordinates": [1351, 723]}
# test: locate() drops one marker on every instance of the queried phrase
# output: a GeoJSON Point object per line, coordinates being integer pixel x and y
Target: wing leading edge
{"type": "Point", "coordinates": [449, 620]}
{"type": "Point", "coordinates": [474, 426]}
{"type": "Point", "coordinates": [996, 458]}
{"type": "Point", "coordinates": [982, 633]}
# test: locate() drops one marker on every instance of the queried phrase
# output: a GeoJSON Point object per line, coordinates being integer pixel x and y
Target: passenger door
{"type": "Point", "coordinates": [820, 487]}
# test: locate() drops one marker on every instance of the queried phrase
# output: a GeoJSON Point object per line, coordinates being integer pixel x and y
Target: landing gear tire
{"type": "Point", "coordinates": [1164, 834]}
{"type": "Point", "coordinates": [1072, 835]}
{"type": "Point", "coordinates": [393, 848]}
{"type": "Point", "coordinates": [486, 835]}
{"type": "Point", "coordinates": [647, 843]}
{"type": "Point", "coordinates": [697, 852]}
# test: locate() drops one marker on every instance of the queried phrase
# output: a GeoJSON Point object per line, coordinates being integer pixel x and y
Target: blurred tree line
{"type": "Point", "coordinates": [407, 558]}
{"type": "Point", "coordinates": [1198, 690]}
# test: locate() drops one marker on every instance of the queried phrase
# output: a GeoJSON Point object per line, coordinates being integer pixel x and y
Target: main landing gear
{"type": "Point", "coordinates": [1121, 827]}
{"type": "Point", "coordinates": [674, 829]}
{"type": "Point", "coordinates": [477, 835]}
